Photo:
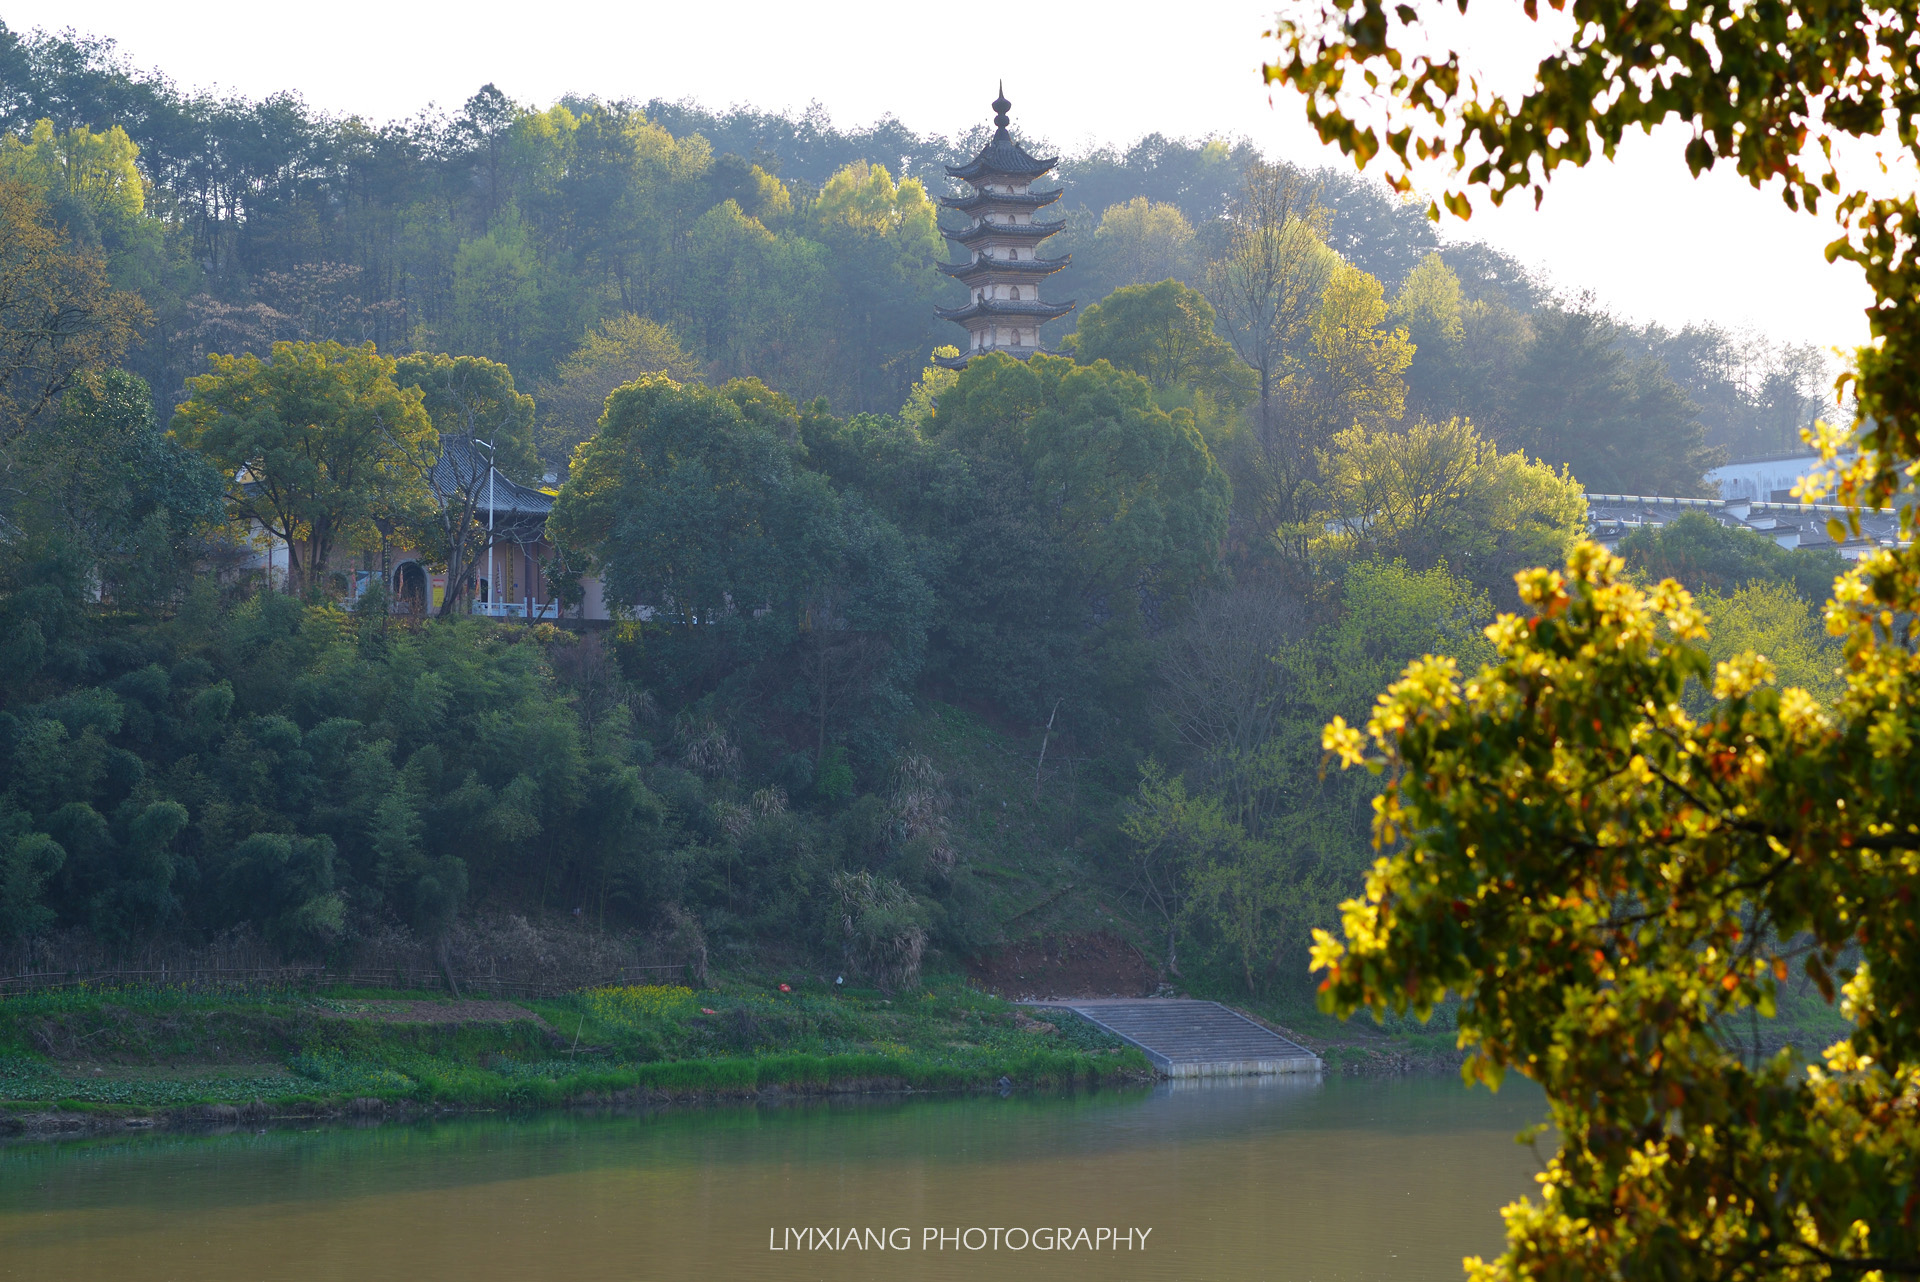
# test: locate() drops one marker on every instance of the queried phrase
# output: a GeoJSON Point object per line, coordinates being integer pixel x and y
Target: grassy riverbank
{"type": "Point", "coordinates": [126, 1051]}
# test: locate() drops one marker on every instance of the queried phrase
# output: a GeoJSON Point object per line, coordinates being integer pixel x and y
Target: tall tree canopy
{"type": "Point", "coordinates": [750, 567]}
{"type": "Point", "coordinates": [1441, 493]}
{"type": "Point", "coordinates": [1131, 489]}
{"type": "Point", "coordinates": [619, 351]}
{"type": "Point", "coordinates": [1165, 333]}
{"type": "Point", "coordinates": [316, 441]}
{"type": "Point", "coordinates": [59, 315]}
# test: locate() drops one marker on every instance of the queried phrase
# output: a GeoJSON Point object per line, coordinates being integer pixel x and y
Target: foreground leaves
{"type": "Point", "coordinates": [1607, 882]}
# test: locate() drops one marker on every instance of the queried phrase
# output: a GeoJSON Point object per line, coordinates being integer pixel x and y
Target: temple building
{"type": "Point", "coordinates": [1004, 269]}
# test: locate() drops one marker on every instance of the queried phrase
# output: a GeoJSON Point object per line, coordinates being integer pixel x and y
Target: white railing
{"type": "Point", "coordinates": [517, 609]}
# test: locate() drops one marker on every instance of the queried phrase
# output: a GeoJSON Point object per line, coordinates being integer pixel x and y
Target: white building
{"type": "Point", "coordinates": [1765, 479]}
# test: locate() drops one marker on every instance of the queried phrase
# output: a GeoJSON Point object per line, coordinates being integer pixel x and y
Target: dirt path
{"type": "Point", "coordinates": [1094, 965]}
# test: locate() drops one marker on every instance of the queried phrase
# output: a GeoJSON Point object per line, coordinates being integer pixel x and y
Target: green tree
{"type": "Point", "coordinates": [1345, 369]}
{"type": "Point", "coordinates": [1440, 492]}
{"type": "Point", "coordinates": [697, 502]}
{"type": "Point", "coordinates": [317, 440]}
{"type": "Point", "coordinates": [1133, 490]}
{"type": "Point", "coordinates": [686, 481]}
{"type": "Point", "coordinates": [59, 316]}
{"type": "Point", "coordinates": [1167, 832]}
{"type": "Point", "coordinates": [1130, 490]}
{"type": "Point", "coordinates": [1782, 627]}
{"type": "Point", "coordinates": [749, 299]}
{"type": "Point", "coordinates": [1623, 426]}
{"type": "Point", "coordinates": [496, 292]}
{"type": "Point", "coordinates": [93, 189]}
{"type": "Point", "coordinates": [1609, 882]}
{"type": "Point", "coordinates": [1066, 513]}
{"type": "Point", "coordinates": [474, 397]}
{"type": "Point", "coordinates": [862, 611]}
{"type": "Point", "coordinates": [924, 395]}
{"type": "Point", "coordinates": [1137, 243]}
{"type": "Point", "coordinates": [1352, 367]}
{"type": "Point", "coordinates": [618, 352]}
{"type": "Point", "coordinates": [103, 480]}
{"type": "Point", "coordinates": [1267, 285]}
{"type": "Point", "coordinates": [1268, 844]}
{"type": "Point", "coordinates": [885, 239]}
{"type": "Point", "coordinates": [1164, 333]}
{"type": "Point", "coordinates": [1430, 307]}
{"type": "Point", "coordinates": [28, 860]}
{"type": "Point", "coordinates": [94, 192]}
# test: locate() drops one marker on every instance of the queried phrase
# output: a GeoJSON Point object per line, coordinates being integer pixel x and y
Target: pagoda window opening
{"type": "Point", "coordinates": [1016, 293]}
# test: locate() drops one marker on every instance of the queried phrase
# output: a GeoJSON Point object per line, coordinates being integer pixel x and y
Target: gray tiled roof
{"type": "Point", "coordinates": [1003, 157]}
{"type": "Point", "coordinates": [462, 467]}
{"type": "Point", "coordinates": [980, 199]}
{"type": "Point", "coordinates": [1025, 267]}
{"type": "Point", "coordinates": [982, 231]}
{"type": "Point", "coordinates": [1611, 517]}
{"type": "Point", "coordinates": [1025, 309]}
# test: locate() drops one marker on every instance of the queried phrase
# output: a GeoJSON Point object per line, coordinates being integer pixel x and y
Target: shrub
{"type": "Point", "coordinates": [632, 1003]}
{"type": "Point", "coordinates": [883, 926]}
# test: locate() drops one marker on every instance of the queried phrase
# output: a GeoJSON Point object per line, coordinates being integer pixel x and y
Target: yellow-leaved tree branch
{"type": "Point", "coordinates": [1611, 885]}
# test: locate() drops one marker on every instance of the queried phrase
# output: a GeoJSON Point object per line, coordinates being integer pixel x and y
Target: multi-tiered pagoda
{"type": "Point", "coordinates": [1004, 269]}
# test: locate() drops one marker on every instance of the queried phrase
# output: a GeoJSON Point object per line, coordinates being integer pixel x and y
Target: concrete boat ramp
{"type": "Point", "coordinates": [1186, 1038]}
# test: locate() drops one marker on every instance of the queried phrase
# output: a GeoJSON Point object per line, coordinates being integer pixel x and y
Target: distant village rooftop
{"type": "Point", "coordinates": [1612, 517]}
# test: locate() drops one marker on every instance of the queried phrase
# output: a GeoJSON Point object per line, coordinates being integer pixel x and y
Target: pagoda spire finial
{"type": "Point", "coordinates": [1000, 106]}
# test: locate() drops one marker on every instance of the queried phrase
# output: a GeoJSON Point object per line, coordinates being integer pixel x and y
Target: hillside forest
{"type": "Point", "coordinates": [912, 663]}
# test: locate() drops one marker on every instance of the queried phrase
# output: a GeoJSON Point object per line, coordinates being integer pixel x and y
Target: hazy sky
{"type": "Point", "coordinates": [1649, 241]}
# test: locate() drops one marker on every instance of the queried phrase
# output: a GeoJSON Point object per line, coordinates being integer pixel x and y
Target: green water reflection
{"type": "Point", "coordinates": [1281, 1178]}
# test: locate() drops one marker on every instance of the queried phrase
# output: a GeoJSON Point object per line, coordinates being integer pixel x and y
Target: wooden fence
{"type": "Point", "coordinates": [308, 977]}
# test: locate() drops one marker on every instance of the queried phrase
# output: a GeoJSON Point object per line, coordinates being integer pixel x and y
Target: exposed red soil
{"type": "Point", "coordinates": [1095, 965]}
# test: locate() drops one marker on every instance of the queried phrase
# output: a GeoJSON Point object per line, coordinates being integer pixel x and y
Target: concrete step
{"type": "Point", "coordinates": [1186, 1038]}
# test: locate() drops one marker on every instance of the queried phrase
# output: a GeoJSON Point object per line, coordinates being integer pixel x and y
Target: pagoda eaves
{"type": "Point", "coordinates": [985, 230]}
{"type": "Point", "coordinates": [1021, 269]}
{"type": "Point", "coordinates": [980, 200]}
{"type": "Point", "coordinates": [1005, 307]}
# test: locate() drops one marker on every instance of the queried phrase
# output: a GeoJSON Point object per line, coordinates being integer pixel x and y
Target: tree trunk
{"type": "Point", "coordinates": [820, 677]}
{"type": "Point", "coordinates": [1038, 765]}
{"type": "Point", "coordinates": [319, 549]}
{"type": "Point", "coordinates": [1266, 404]}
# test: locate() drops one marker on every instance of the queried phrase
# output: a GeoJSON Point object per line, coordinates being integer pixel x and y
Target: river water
{"type": "Point", "coordinates": [1282, 1178]}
